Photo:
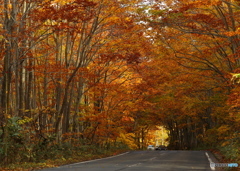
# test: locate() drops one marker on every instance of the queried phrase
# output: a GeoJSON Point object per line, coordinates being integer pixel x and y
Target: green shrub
{"type": "Point", "coordinates": [231, 149]}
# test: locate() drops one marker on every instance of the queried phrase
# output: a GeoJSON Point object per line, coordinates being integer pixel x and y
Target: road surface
{"type": "Point", "coordinates": [144, 161]}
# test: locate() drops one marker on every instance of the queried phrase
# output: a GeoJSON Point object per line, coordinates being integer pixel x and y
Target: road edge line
{"type": "Point", "coordinates": [88, 161]}
{"type": "Point", "coordinates": [210, 161]}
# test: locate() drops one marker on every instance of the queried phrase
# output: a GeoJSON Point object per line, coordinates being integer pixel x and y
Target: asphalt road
{"type": "Point", "coordinates": [144, 161]}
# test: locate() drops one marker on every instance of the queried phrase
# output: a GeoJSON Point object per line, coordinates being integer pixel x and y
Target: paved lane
{"type": "Point", "coordinates": [145, 161]}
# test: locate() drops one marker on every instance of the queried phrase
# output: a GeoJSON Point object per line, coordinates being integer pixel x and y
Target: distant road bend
{"type": "Point", "coordinates": [145, 161]}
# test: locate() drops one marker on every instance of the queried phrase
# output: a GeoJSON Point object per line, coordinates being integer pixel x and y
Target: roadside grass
{"type": "Point", "coordinates": [60, 159]}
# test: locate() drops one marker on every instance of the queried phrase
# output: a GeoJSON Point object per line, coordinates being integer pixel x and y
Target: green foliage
{"type": "Point", "coordinates": [175, 15]}
{"type": "Point", "coordinates": [13, 147]}
{"type": "Point", "coordinates": [235, 78]}
{"type": "Point", "coordinates": [231, 148]}
{"type": "Point", "coordinates": [78, 154]}
{"type": "Point", "coordinates": [142, 10]}
{"type": "Point", "coordinates": [157, 12]}
{"type": "Point", "coordinates": [23, 146]}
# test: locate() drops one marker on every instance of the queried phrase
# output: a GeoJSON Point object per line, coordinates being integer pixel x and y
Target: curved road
{"type": "Point", "coordinates": [144, 161]}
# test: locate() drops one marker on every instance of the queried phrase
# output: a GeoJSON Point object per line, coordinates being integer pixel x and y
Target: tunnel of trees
{"type": "Point", "coordinates": [80, 73]}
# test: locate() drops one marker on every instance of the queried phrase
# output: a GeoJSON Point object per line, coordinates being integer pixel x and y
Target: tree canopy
{"type": "Point", "coordinates": [108, 73]}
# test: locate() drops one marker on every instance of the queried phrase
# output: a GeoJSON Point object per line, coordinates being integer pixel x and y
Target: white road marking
{"type": "Point", "coordinates": [152, 158]}
{"type": "Point", "coordinates": [134, 165]}
{"type": "Point", "coordinates": [210, 161]}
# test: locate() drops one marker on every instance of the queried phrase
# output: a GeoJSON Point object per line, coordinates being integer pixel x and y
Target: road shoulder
{"type": "Point", "coordinates": [213, 159]}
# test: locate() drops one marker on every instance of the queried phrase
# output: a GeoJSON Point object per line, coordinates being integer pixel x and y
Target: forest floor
{"type": "Point", "coordinates": [30, 166]}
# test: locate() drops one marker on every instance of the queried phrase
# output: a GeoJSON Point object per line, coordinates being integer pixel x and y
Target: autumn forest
{"type": "Point", "coordinates": [84, 75]}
